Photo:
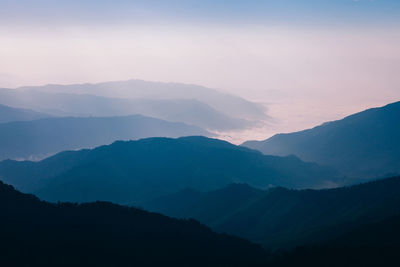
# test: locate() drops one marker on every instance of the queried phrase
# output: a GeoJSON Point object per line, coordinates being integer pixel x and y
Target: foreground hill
{"type": "Point", "coordinates": [365, 144]}
{"type": "Point", "coordinates": [125, 172]}
{"type": "Point", "coordinates": [36, 233]}
{"type": "Point", "coordinates": [370, 244]}
{"type": "Point", "coordinates": [8, 114]}
{"type": "Point", "coordinates": [39, 138]}
{"type": "Point", "coordinates": [280, 217]}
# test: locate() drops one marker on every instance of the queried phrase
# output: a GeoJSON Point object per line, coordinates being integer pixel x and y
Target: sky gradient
{"type": "Point", "coordinates": [309, 61]}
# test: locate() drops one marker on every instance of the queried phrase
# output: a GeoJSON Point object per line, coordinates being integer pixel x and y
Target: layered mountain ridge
{"type": "Point", "coordinates": [363, 145]}
{"type": "Point", "coordinates": [279, 217]}
{"type": "Point", "coordinates": [45, 137]}
{"type": "Point", "coordinates": [126, 172]}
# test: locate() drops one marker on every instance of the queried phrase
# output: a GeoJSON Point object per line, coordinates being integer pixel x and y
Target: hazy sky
{"type": "Point", "coordinates": [311, 61]}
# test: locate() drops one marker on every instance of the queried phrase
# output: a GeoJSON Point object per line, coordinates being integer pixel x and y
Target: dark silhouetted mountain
{"type": "Point", "coordinates": [36, 233]}
{"type": "Point", "coordinates": [39, 138]}
{"type": "Point", "coordinates": [125, 172]}
{"type": "Point", "coordinates": [373, 244]}
{"type": "Point", "coordinates": [365, 144]}
{"type": "Point", "coordinates": [138, 89]}
{"type": "Point", "coordinates": [8, 114]}
{"type": "Point", "coordinates": [280, 217]}
{"type": "Point", "coordinates": [190, 111]}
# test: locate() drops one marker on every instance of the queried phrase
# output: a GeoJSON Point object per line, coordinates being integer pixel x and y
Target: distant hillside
{"type": "Point", "coordinates": [138, 89]}
{"type": "Point", "coordinates": [8, 114]}
{"type": "Point", "coordinates": [365, 144]}
{"type": "Point", "coordinates": [40, 138]}
{"type": "Point", "coordinates": [36, 233]}
{"type": "Point", "coordinates": [187, 110]}
{"type": "Point", "coordinates": [125, 172]}
{"type": "Point", "coordinates": [280, 217]}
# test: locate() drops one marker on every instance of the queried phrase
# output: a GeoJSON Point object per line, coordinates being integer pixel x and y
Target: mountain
{"type": "Point", "coordinates": [37, 233]}
{"type": "Point", "coordinates": [138, 89]}
{"type": "Point", "coordinates": [365, 144]}
{"type": "Point", "coordinates": [126, 172]}
{"type": "Point", "coordinates": [372, 244]}
{"type": "Point", "coordinates": [39, 138]}
{"type": "Point", "coordinates": [281, 217]}
{"type": "Point", "coordinates": [8, 114]}
{"type": "Point", "coordinates": [191, 111]}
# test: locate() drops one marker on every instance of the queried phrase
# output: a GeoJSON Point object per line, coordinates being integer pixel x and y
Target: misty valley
{"type": "Point", "coordinates": [137, 173]}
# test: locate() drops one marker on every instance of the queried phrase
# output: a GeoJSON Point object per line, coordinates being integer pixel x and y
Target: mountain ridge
{"type": "Point", "coordinates": [10, 114]}
{"type": "Point", "coordinates": [133, 88]}
{"type": "Point", "coordinates": [38, 233]}
{"type": "Point", "coordinates": [124, 172]}
{"type": "Point", "coordinates": [364, 144]}
{"type": "Point", "coordinates": [195, 105]}
{"type": "Point", "coordinates": [280, 217]}
{"type": "Point", "coordinates": [40, 138]}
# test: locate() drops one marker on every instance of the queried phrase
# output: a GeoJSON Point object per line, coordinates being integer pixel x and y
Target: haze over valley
{"type": "Point", "coordinates": [200, 133]}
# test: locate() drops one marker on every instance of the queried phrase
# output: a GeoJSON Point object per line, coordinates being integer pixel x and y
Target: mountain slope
{"type": "Point", "coordinates": [38, 138]}
{"type": "Point", "coordinates": [280, 217]}
{"type": "Point", "coordinates": [372, 244]}
{"type": "Point", "coordinates": [365, 144]}
{"type": "Point", "coordinates": [36, 233]}
{"type": "Point", "coordinates": [125, 172]}
{"type": "Point", "coordinates": [8, 114]}
{"type": "Point", "coordinates": [190, 111]}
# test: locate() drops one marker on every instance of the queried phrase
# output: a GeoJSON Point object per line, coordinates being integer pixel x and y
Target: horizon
{"type": "Point", "coordinates": [277, 123]}
{"type": "Point", "coordinates": [308, 61]}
